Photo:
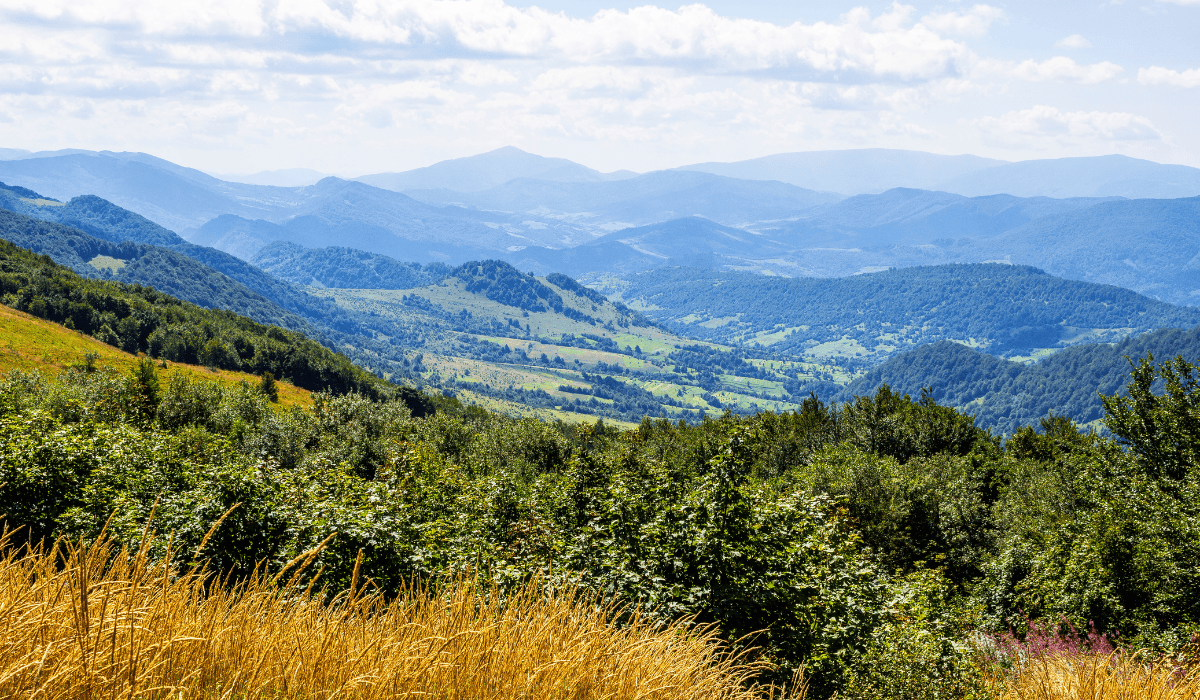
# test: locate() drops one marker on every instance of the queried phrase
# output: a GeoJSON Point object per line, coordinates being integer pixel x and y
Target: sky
{"type": "Point", "coordinates": [362, 86]}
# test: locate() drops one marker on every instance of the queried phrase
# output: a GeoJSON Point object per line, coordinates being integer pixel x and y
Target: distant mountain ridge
{"type": "Point", "coordinates": [488, 170]}
{"type": "Point", "coordinates": [644, 199]}
{"type": "Point", "coordinates": [875, 170]}
{"type": "Point", "coordinates": [571, 226]}
{"type": "Point", "coordinates": [854, 171]}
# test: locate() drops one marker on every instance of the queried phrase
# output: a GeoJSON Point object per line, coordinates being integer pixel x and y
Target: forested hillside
{"type": "Point", "coordinates": [1005, 395]}
{"type": "Point", "coordinates": [1005, 309]}
{"type": "Point", "coordinates": [166, 270]}
{"type": "Point", "coordinates": [346, 268]}
{"type": "Point", "coordinates": [105, 220]}
{"type": "Point", "coordinates": [490, 332]}
{"type": "Point", "coordinates": [135, 318]}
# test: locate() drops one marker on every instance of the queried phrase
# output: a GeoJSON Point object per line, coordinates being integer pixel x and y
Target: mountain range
{"type": "Point", "coordinates": [546, 343]}
{"type": "Point", "coordinates": [547, 214]}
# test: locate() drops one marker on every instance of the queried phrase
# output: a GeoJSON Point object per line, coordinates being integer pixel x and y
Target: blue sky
{"type": "Point", "coordinates": [359, 86]}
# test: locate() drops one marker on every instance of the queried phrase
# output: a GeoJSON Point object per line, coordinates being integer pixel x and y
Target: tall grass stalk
{"type": "Point", "coordinates": [94, 621]}
{"type": "Point", "coordinates": [1099, 677]}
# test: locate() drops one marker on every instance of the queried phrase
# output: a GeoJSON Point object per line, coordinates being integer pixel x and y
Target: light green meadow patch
{"type": "Point", "coordinates": [104, 262]}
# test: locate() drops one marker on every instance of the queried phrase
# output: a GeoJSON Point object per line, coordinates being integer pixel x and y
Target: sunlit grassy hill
{"type": "Point", "coordinates": [551, 344]}
{"type": "Point", "coordinates": [28, 343]}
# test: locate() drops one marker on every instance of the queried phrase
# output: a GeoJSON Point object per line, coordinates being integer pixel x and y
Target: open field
{"type": "Point", "coordinates": [28, 343]}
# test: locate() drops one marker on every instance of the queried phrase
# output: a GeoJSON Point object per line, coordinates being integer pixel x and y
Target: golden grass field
{"type": "Point", "coordinates": [1099, 677]}
{"type": "Point", "coordinates": [28, 343]}
{"type": "Point", "coordinates": [91, 621]}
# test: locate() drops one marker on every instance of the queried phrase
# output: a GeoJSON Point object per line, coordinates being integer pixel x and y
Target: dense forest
{"type": "Point", "coordinates": [883, 545]}
{"type": "Point", "coordinates": [344, 267]}
{"type": "Point", "coordinates": [1005, 395]}
{"type": "Point", "coordinates": [1007, 308]}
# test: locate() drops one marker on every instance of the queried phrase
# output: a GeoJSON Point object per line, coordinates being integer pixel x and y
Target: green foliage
{"type": "Point", "coordinates": [920, 651]}
{"type": "Point", "coordinates": [139, 319]}
{"type": "Point", "coordinates": [1005, 396]}
{"type": "Point", "coordinates": [1096, 533]}
{"type": "Point", "coordinates": [345, 267]}
{"type": "Point", "coordinates": [503, 283]}
{"type": "Point", "coordinates": [145, 385]}
{"type": "Point", "coordinates": [1009, 306]}
{"type": "Point", "coordinates": [1162, 431]}
{"type": "Point", "coordinates": [269, 387]}
{"type": "Point", "coordinates": [871, 544]}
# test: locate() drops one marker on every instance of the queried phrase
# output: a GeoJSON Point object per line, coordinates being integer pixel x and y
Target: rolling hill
{"type": "Point", "coordinates": [32, 344]}
{"type": "Point", "coordinates": [1007, 310]}
{"type": "Point", "coordinates": [136, 318]}
{"type": "Point", "coordinates": [1005, 395]}
{"type": "Point", "coordinates": [344, 267]}
{"type": "Point", "coordinates": [488, 170]}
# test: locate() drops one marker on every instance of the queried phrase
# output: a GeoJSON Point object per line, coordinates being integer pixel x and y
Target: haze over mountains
{"type": "Point", "coordinates": [549, 344]}
{"type": "Point", "coordinates": [787, 214]}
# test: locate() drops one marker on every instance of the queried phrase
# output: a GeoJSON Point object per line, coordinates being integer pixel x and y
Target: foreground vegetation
{"type": "Point", "coordinates": [88, 621]}
{"type": "Point", "coordinates": [870, 544]}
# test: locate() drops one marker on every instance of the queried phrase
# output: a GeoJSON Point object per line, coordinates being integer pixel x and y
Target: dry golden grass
{"type": "Point", "coordinates": [1099, 677]}
{"type": "Point", "coordinates": [92, 621]}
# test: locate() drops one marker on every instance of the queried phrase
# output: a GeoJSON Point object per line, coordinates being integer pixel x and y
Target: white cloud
{"type": "Point", "coordinates": [1047, 124]}
{"type": "Point", "coordinates": [1157, 75]}
{"type": "Point", "coordinates": [1182, 2]}
{"type": "Point", "coordinates": [1057, 68]}
{"type": "Point", "coordinates": [359, 77]}
{"type": "Point", "coordinates": [973, 22]}
{"type": "Point", "coordinates": [1075, 41]}
{"type": "Point", "coordinates": [858, 48]}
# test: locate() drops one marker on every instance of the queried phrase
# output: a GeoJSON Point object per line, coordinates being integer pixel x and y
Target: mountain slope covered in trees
{"type": "Point", "coordinates": [1005, 309]}
{"type": "Point", "coordinates": [100, 218]}
{"type": "Point", "coordinates": [136, 318]}
{"type": "Point", "coordinates": [345, 268]}
{"type": "Point", "coordinates": [165, 270]}
{"type": "Point", "coordinates": [1005, 395]}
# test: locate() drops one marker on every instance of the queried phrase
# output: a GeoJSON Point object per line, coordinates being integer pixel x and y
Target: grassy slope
{"type": "Point", "coordinates": [547, 327]}
{"type": "Point", "coordinates": [29, 343]}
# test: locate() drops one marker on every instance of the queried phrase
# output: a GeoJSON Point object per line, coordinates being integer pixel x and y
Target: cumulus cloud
{"type": "Point", "coordinates": [1075, 41]}
{"type": "Point", "coordinates": [859, 48]}
{"type": "Point", "coordinates": [1057, 68]}
{"type": "Point", "coordinates": [1157, 75]}
{"type": "Point", "coordinates": [112, 73]}
{"type": "Point", "coordinates": [973, 22]}
{"type": "Point", "coordinates": [1047, 124]}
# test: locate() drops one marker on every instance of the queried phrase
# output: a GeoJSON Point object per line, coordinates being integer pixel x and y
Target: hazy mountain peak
{"type": "Point", "coordinates": [1093, 176]}
{"type": "Point", "coordinates": [487, 170]}
{"type": "Point", "coordinates": [852, 171]}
